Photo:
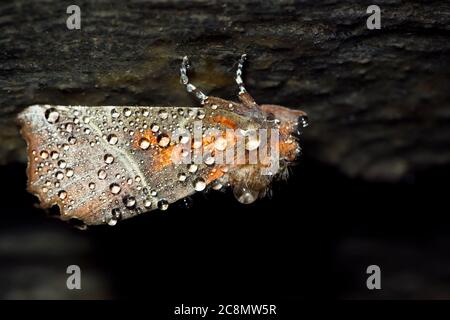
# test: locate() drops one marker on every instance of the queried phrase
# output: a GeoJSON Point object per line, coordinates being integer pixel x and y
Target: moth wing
{"type": "Point", "coordinates": [102, 164]}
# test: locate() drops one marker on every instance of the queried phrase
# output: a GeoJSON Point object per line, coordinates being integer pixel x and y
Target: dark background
{"type": "Point", "coordinates": [370, 188]}
{"type": "Point", "coordinates": [313, 239]}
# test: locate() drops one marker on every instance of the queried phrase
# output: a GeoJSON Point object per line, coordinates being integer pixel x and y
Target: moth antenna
{"type": "Point", "coordinates": [189, 86]}
{"type": "Point", "coordinates": [243, 95]}
{"type": "Point", "coordinates": [238, 78]}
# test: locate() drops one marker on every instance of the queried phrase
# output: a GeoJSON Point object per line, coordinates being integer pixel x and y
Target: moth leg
{"type": "Point", "coordinates": [243, 95]}
{"type": "Point", "coordinates": [189, 86]}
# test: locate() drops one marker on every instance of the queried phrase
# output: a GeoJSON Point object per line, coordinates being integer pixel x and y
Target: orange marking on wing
{"type": "Point", "coordinates": [163, 158]}
{"type": "Point", "coordinates": [215, 174]}
{"type": "Point", "coordinates": [225, 122]}
{"type": "Point", "coordinates": [148, 134]}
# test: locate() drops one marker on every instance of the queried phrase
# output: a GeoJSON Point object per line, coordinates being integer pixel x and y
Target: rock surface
{"type": "Point", "coordinates": [378, 100]}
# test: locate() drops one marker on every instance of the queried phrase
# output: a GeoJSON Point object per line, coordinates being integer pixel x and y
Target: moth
{"type": "Point", "coordinates": [101, 164]}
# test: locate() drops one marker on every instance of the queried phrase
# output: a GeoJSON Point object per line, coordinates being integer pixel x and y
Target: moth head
{"type": "Point", "coordinates": [248, 182]}
{"type": "Point", "coordinates": [290, 124]}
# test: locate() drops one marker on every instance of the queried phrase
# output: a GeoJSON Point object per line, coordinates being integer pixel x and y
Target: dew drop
{"type": "Point", "coordinates": [209, 160]}
{"type": "Point", "coordinates": [51, 115]}
{"type": "Point", "coordinates": [69, 127]}
{"type": "Point", "coordinates": [163, 140]}
{"type": "Point", "coordinates": [245, 195]}
{"type": "Point", "coordinates": [72, 140]}
{"type": "Point", "coordinates": [44, 154]}
{"type": "Point", "coordinates": [192, 168]}
{"type": "Point", "coordinates": [182, 177]}
{"type": "Point", "coordinates": [127, 112]}
{"type": "Point", "coordinates": [116, 214]}
{"type": "Point", "coordinates": [108, 158]}
{"type": "Point", "coordinates": [154, 127]}
{"type": "Point", "coordinates": [54, 155]}
{"type": "Point", "coordinates": [129, 202]}
{"type": "Point", "coordinates": [220, 143]}
{"type": "Point", "coordinates": [112, 139]}
{"type": "Point", "coordinates": [303, 121]}
{"type": "Point", "coordinates": [144, 143]}
{"type": "Point", "coordinates": [199, 184]}
{"type": "Point", "coordinates": [101, 174]}
{"type": "Point", "coordinates": [92, 186]}
{"type": "Point", "coordinates": [184, 139]}
{"type": "Point", "coordinates": [112, 222]}
{"type": "Point", "coordinates": [252, 142]}
{"type": "Point", "coordinates": [115, 114]}
{"type": "Point", "coordinates": [69, 172]}
{"type": "Point", "coordinates": [217, 185]}
{"type": "Point", "coordinates": [163, 114]}
{"type": "Point", "coordinates": [62, 194]}
{"type": "Point", "coordinates": [114, 188]}
{"type": "Point", "coordinates": [59, 175]}
{"type": "Point", "coordinates": [163, 204]}
{"type": "Point", "coordinates": [62, 164]}
{"type": "Point", "coordinates": [147, 203]}
{"type": "Point", "coordinates": [201, 114]}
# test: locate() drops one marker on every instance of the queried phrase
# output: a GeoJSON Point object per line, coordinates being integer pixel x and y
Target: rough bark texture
{"type": "Point", "coordinates": [378, 100]}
